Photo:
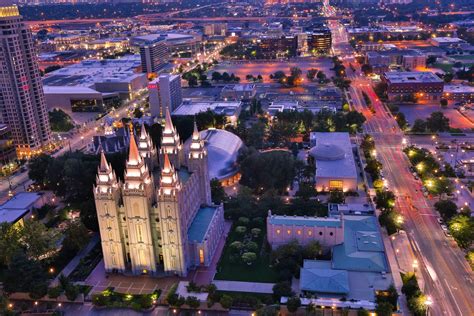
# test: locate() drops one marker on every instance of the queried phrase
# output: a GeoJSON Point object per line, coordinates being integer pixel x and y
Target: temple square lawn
{"type": "Point", "coordinates": [232, 267]}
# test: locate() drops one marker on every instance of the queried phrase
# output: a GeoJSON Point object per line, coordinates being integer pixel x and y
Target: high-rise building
{"type": "Point", "coordinates": [165, 92]}
{"type": "Point", "coordinates": [319, 41]}
{"type": "Point", "coordinates": [169, 225]}
{"type": "Point", "coordinates": [22, 103]}
{"type": "Point", "coordinates": [154, 52]}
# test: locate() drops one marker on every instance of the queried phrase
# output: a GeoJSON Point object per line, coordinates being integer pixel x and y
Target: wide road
{"type": "Point", "coordinates": [447, 277]}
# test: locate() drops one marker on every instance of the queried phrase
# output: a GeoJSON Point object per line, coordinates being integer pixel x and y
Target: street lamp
{"type": "Point", "coordinates": [428, 303]}
{"type": "Point", "coordinates": [399, 221]}
{"type": "Point", "coordinates": [415, 265]}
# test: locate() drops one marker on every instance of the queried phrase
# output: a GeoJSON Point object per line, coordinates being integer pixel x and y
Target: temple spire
{"type": "Point", "coordinates": [104, 166]}
{"type": "Point", "coordinates": [168, 122]}
{"type": "Point", "coordinates": [195, 131]}
{"type": "Point", "coordinates": [143, 133]}
{"type": "Point", "coordinates": [134, 157]}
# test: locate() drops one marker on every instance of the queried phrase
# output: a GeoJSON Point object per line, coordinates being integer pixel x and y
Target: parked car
{"type": "Point", "coordinates": [440, 220]}
{"type": "Point", "coordinates": [444, 227]}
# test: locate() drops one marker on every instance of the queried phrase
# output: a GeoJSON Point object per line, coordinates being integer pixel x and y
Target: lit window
{"type": "Point", "coordinates": [310, 233]}
{"type": "Point", "coordinates": [299, 232]}
{"type": "Point", "coordinates": [289, 231]}
{"type": "Point", "coordinates": [278, 231]}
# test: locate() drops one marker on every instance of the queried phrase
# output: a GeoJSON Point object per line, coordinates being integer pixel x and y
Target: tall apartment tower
{"type": "Point", "coordinates": [165, 92]}
{"type": "Point", "coordinates": [22, 103]}
{"type": "Point", "coordinates": [154, 54]}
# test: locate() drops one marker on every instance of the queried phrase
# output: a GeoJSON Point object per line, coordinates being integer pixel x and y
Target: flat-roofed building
{"type": "Point", "coordinates": [94, 85]}
{"type": "Point", "coordinates": [165, 92]}
{"type": "Point", "coordinates": [319, 41]}
{"type": "Point", "coordinates": [238, 92]}
{"type": "Point", "coordinates": [447, 42]}
{"type": "Point", "coordinates": [459, 92]}
{"type": "Point", "coordinates": [334, 160]}
{"type": "Point", "coordinates": [282, 229]}
{"type": "Point", "coordinates": [230, 109]}
{"type": "Point", "coordinates": [422, 85]}
{"type": "Point", "coordinates": [154, 52]}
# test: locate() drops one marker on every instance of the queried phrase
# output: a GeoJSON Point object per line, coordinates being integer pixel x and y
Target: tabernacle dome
{"type": "Point", "coordinates": [222, 148]}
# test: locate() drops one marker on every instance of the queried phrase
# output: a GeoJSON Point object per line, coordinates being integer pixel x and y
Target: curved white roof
{"type": "Point", "coordinates": [327, 152]}
{"type": "Point", "coordinates": [222, 148]}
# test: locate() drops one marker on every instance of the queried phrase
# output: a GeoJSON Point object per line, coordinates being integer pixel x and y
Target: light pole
{"type": "Point", "coordinates": [428, 303]}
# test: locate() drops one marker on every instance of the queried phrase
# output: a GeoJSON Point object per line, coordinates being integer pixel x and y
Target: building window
{"type": "Point", "coordinates": [310, 233]}
{"type": "Point", "coordinates": [331, 233]}
{"type": "Point", "coordinates": [278, 231]}
{"type": "Point", "coordinates": [299, 232]}
{"type": "Point", "coordinates": [201, 256]}
{"type": "Point", "coordinates": [289, 231]}
{"type": "Point", "coordinates": [320, 233]}
{"type": "Point", "coordinates": [139, 233]}
{"type": "Point", "coordinates": [335, 185]}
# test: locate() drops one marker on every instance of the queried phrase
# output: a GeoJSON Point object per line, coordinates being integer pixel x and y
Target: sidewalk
{"type": "Point", "coordinates": [77, 259]}
{"type": "Point", "coordinates": [250, 287]}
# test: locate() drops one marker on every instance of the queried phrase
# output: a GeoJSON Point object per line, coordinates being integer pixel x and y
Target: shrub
{"type": "Point", "coordinates": [72, 292]}
{"type": "Point", "coordinates": [249, 257]}
{"type": "Point", "coordinates": [193, 302]}
{"type": "Point", "coordinates": [240, 230]}
{"type": "Point", "coordinates": [54, 292]}
{"type": "Point", "coordinates": [100, 300]}
{"type": "Point", "coordinates": [243, 221]}
{"type": "Point", "coordinates": [256, 232]}
{"type": "Point", "coordinates": [226, 301]}
{"type": "Point", "coordinates": [293, 304]}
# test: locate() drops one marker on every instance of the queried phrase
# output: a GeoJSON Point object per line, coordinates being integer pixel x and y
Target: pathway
{"type": "Point", "coordinates": [249, 287]}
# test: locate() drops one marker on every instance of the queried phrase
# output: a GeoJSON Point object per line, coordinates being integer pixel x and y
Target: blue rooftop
{"type": "Point", "coordinates": [21, 201]}
{"type": "Point", "coordinates": [317, 276]}
{"type": "Point", "coordinates": [362, 249]}
{"type": "Point", "coordinates": [305, 221]}
{"type": "Point", "coordinates": [197, 230]}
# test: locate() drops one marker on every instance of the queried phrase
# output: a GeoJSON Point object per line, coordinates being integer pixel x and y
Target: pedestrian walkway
{"type": "Point", "coordinates": [67, 270]}
{"type": "Point", "coordinates": [249, 287]}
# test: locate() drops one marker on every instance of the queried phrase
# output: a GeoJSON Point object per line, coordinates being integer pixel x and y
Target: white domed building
{"type": "Point", "coordinates": [222, 150]}
{"type": "Point", "coordinates": [334, 160]}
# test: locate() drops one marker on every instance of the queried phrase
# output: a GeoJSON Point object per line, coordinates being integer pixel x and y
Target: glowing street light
{"type": "Point", "coordinates": [415, 265]}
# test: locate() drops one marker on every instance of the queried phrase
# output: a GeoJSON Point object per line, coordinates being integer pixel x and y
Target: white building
{"type": "Point", "coordinates": [230, 109]}
{"type": "Point", "coordinates": [334, 161]}
{"type": "Point", "coordinates": [165, 92]}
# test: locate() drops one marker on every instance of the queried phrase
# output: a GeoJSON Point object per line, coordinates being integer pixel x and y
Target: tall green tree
{"type": "Point", "coordinates": [9, 242]}
{"type": "Point", "coordinates": [38, 239]}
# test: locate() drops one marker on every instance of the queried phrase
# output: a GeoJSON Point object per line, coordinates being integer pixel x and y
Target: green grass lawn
{"type": "Point", "coordinates": [444, 67]}
{"type": "Point", "coordinates": [259, 271]}
{"type": "Point", "coordinates": [463, 57]}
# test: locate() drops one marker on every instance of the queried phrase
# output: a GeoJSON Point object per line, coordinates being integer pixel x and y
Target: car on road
{"type": "Point", "coordinates": [447, 234]}
{"type": "Point", "coordinates": [444, 227]}
{"type": "Point", "coordinates": [440, 220]}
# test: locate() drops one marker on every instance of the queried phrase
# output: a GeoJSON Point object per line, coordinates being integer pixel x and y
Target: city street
{"type": "Point", "coordinates": [447, 277]}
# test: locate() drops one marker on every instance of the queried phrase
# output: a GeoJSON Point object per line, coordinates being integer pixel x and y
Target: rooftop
{"type": "Point", "coordinates": [333, 155]}
{"type": "Point", "coordinates": [317, 276]}
{"type": "Point", "coordinates": [304, 221]}
{"type": "Point", "coordinates": [362, 249]}
{"type": "Point", "coordinates": [448, 40]}
{"type": "Point", "coordinates": [451, 88]}
{"type": "Point", "coordinates": [412, 77]}
{"type": "Point", "coordinates": [227, 108]}
{"type": "Point", "coordinates": [198, 229]}
{"type": "Point", "coordinates": [22, 200]}
{"type": "Point", "coordinates": [90, 72]}
{"type": "Point", "coordinates": [222, 149]}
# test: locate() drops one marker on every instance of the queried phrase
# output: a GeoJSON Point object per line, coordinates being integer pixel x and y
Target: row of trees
{"type": "Point", "coordinates": [461, 225]}
{"type": "Point", "coordinates": [384, 199]}
{"type": "Point", "coordinates": [434, 177]}
{"type": "Point", "coordinates": [436, 122]}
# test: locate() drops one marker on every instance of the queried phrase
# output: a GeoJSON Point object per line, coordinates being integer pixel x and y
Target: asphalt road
{"type": "Point", "coordinates": [448, 279]}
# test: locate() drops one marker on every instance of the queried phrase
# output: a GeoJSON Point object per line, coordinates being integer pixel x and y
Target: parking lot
{"type": "Point", "coordinates": [423, 111]}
